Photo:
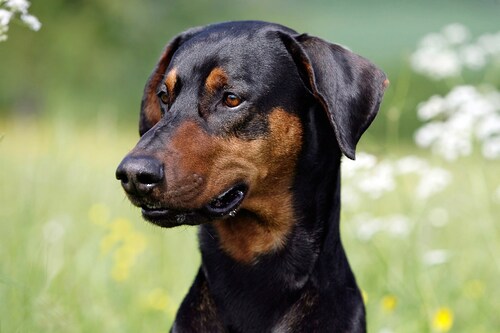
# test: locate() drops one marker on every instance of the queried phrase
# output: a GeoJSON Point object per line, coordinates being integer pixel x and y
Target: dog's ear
{"type": "Point", "coordinates": [348, 86]}
{"type": "Point", "coordinates": [150, 105]}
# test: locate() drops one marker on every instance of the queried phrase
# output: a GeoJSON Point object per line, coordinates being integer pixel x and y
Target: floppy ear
{"type": "Point", "coordinates": [150, 105]}
{"type": "Point", "coordinates": [348, 86]}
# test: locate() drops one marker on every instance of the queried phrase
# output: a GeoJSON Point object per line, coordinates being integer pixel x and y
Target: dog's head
{"type": "Point", "coordinates": [221, 126]}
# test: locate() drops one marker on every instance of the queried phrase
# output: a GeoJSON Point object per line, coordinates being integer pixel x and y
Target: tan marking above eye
{"type": "Point", "coordinates": [171, 80]}
{"type": "Point", "coordinates": [216, 80]}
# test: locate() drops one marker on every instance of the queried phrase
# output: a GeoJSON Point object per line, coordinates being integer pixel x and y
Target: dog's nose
{"type": "Point", "coordinates": [139, 174]}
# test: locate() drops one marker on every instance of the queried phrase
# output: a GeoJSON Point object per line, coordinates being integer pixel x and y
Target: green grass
{"type": "Point", "coordinates": [75, 256]}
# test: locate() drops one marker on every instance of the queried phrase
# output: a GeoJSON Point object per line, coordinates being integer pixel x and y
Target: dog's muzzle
{"type": "Point", "coordinates": [139, 175]}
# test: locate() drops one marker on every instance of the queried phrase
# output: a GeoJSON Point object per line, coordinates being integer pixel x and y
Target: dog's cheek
{"type": "Point", "coordinates": [270, 200]}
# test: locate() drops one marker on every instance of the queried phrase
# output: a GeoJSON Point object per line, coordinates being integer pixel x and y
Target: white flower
{"type": "Point", "coordinates": [379, 181]}
{"type": "Point", "coordinates": [374, 179]}
{"type": "Point", "coordinates": [491, 148]}
{"type": "Point", "coordinates": [433, 41]}
{"type": "Point", "coordinates": [488, 126]}
{"type": "Point", "coordinates": [433, 181]}
{"type": "Point", "coordinates": [410, 164]}
{"type": "Point", "coordinates": [368, 176]}
{"type": "Point", "coordinates": [445, 54]}
{"type": "Point", "coordinates": [18, 5]}
{"type": "Point", "coordinates": [436, 63]}
{"type": "Point", "coordinates": [5, 17]}
{"type": "Point", "coordinates": [31, 21]}
{"type": "Point", "coordinates": [490, 43]}
{"type": "Point", "coordinates": [393, 225]}
{"type": "Point", "coordinates": [398, 225]}
{"type": "Point", "coordinates": [459, 97]}
{"type": "Point", "coordinates": [363, 161]}
{"type": "Point", "coordinates": [452, 147]}
{"type": "Point", "coordinates": [456, 33]}
{"type": "Point", "coordinates": [436, 257]}
{"type": "Point", "coordinates": [435, 56]}
{"type": "Point", "coordinates": [473, 56]}
{"type": "Point", "coordinates": [367, 227]}
{"type": "Point", "coordinates": [464, 115]}
{"type": "Point", "coordinates": [11, 8]}
{"type": "Point", "coordinates": [428, 134]}
{"type": "Point", "coordinates": [431, 108]}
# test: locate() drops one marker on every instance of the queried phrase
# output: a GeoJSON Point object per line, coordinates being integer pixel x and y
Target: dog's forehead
{"type": "Point", "coordinates": [252, 51]}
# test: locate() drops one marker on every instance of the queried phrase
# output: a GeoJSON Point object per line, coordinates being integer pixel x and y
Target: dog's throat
{"type": "Point", "coordinates": [252, 233]}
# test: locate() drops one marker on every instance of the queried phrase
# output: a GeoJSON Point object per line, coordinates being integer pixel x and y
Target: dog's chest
{"type": "Point", "coordinates": [297, 318]}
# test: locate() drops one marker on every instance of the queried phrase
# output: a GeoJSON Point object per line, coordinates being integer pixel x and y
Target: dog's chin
{"type": "Point", "coordinates": [222, 206]}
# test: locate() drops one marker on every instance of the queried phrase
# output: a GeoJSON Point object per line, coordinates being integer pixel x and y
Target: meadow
{"type": "Point", "coordinates": [76, 256]}
{"type": "Point", "coordinates": [421, 204]}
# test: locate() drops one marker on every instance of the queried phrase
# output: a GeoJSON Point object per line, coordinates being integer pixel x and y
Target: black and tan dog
{"type": "Point", "coordinates": [243, 126]}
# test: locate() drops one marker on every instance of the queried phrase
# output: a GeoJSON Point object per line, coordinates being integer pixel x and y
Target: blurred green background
{"type": "Point", "coordinates": [75, 255]}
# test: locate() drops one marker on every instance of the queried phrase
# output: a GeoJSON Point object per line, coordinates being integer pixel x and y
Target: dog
{"type": "Point", "coordinates": [243, 126]}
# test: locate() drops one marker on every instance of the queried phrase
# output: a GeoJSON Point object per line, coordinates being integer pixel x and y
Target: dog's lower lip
{"type": "Point", "coordinates": [155, 211]}
{"type": "Point", "coordinates": [228, 202]}
{"type": "Point", "coordinates": [167, 218]}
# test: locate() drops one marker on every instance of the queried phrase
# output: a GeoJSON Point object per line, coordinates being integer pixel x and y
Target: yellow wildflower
{"type": "Point", "coordinates": [136, 241]}
{"type": "Point", "coordinates": [443, 320]}
{"type": "Point", "coordinates": [125, 244]}
{"type": "Point", "coordinates": [389, 303]}
{"type": "Point", "coordinates": [124, 256]}
{"type": "Point", "coordinates": [121, 227]}
{"type": "Point", "coordinates": [108, 242]}
{"type": "Point", "coordinates": [120, 271]}
{"type": "Point", "coordinates": [158, 300]}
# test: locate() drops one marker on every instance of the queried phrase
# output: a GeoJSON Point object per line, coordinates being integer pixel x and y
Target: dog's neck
{"type": "Point", "coordinates": [312, 256]}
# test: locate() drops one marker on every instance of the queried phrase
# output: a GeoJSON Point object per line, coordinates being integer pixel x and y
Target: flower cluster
{"type": "Point", "coordinates": [466, 114]}
{"type": "Point", "coordinates": [367, 226]}
{"type": "Point", "coordinates": [372, 178]}
{"type": "Point", "coordinates": [10, 9]}
{"type": "Point", "coordinates": [445, 54]}
{"type": "Point", "coordinates": [368, 177]}
{"type": "Point", "coordinates": [159, 300]}
{"type": "Point", "coordinates": [122, 241]}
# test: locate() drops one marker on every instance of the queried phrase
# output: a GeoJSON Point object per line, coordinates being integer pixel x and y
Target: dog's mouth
{"type": "Point", "coordinates": [227, 203]}
{"type": "Point", "coordinates": [224, 205]}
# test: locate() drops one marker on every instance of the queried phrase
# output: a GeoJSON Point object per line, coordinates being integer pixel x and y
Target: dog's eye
{"type": "Point", "coordinates": [163, 97]}
{"type": "Point", "coordinates": [231, 100]}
